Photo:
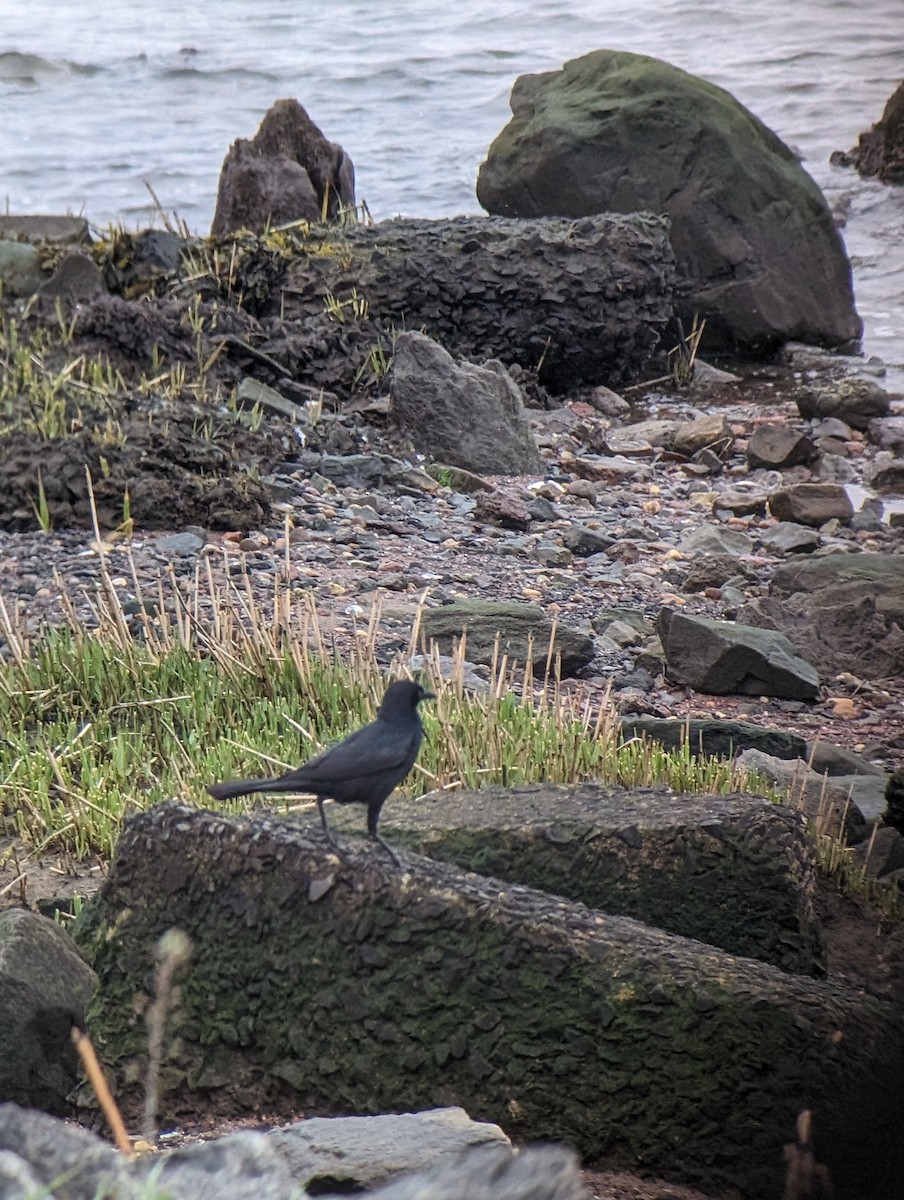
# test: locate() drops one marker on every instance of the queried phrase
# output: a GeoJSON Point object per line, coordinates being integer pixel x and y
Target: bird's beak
{"type": "Point", "coordinates": [425, 695]}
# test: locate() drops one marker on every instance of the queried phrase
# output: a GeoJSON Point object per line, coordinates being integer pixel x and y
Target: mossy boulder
{"type": "Point", "coordinates": [348, 985]}
{"type": "Point", "coordinates": [754, 238]}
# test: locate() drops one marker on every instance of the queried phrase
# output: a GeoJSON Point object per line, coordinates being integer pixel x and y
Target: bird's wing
{"type": "Point", "coordinates": [367, 751]}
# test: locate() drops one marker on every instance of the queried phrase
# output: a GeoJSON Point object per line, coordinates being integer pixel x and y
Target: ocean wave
{"type": "Point", "coordinates": [31, 68]}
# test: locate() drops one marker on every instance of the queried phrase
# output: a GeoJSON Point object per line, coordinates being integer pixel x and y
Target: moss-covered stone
{"type": "Point", "coordinates": [349, 985]}
{"type": "Point", "coordinates": [735, 871]}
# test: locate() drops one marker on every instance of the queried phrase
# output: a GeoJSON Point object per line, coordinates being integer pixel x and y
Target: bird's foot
{"type": "Point", "coordinates": [386, 846]}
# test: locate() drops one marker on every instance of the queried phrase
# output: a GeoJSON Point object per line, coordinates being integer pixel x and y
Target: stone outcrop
{"type": "Point", "coordinates": [469, 416]}
{"type": "Point", "coordinates": [844, 612]}
{"type": "Point", "coordinates": [287, 172]}
{"type": "Point", "coordinates": [346, 983]}
{"type": "Point", "coordinates": [728, 658]}
{"type": "Point", "coordinates": [737, 872]}
{"type": "Point", "coordinates": [576, 302]}
{"type": "Point", "coordinates": [755, 241]}
{"type": "Point", "coordinates": [879, 153]}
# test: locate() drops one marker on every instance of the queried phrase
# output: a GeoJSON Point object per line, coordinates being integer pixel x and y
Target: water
{"type": "Point", "coordinates": [100, 98]}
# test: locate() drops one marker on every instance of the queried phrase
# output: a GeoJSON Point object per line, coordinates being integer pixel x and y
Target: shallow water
{"type": "Point", "coordinates": [102, 98]}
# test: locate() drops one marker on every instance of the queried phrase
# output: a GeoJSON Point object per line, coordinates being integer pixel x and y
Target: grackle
{"type": "Point", "coordinates": [362, 769]}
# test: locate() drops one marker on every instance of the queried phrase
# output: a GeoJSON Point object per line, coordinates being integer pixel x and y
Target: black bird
{"type": "Point", "coordinates": [363, 769]}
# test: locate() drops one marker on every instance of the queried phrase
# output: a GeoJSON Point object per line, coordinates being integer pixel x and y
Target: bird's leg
{"type": "Point", "coordinates": [373, 817]}
{"type": "Point", "coordinates": [326, 829]}
{"type": "Point", "coordinates": [396, 859]}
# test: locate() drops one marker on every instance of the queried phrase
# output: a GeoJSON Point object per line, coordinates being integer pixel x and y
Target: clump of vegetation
{"type": "Point", "coordinates": [159, 701]}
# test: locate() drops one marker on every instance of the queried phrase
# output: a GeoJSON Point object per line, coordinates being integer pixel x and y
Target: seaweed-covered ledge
{"type": "Point", "coordinates": [348, 985]}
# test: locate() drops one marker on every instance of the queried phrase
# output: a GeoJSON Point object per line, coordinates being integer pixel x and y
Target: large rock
{"type": "Point", "coordinates": [287, 172]}
{"type": "Point", "coordinates": [469, 416]}
{"type": "Point", "coordinates": [734, 871]}
{"type": "Point", "coordinates": [44, 1159]}
{"type": "Point", "coordinates": [879, 153]}
{"type": "Point", "coordinates": [728, 658]}
{"type": "Point", "coordinates": [713, 738]}
{"type": "Point", "coordinates": [346, 984]}
{"type": "Point", "coordinates": [523, 632]}
{"type": "Point", "coordinates": [753, 235]}
{"type": "Point", "coordinates": [576, 302]}
{"type": "Point", "coordinates": [811, 504]}
{"type": "Point", "coordinates": [844, 612]}
{"type": "Point", "coordinates": [45, 988]}
{"type": "Point", "coordinates": [355, 1154]}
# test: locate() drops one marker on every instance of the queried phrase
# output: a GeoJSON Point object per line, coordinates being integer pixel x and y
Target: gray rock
{"type": "Point", "coordinates": [54, 230]}
{"type": "Point", "coordinates": [583, 541]}
{"type": "Point", "coordinates": [787, 537]}
{"type": "Point", "coordinates": [354, 1154]}
{"type": "Point", "coordinates": [78, 1164]}
{"type": "Point", "coordinates": [524, 632]}
{"type": "Point", "coordinates": [722, 658]}
{"type": "Point", "coordinates": [753, 235]}
{"type": "Point", "coordinates": [287, 172]}
{"type": "Point", "coordinates": [709, 431]}
{"type": "Point", "coordinates": [345, 470]}
{"type": "Point", "coordinates": [718, 739]}
{"type": "Point", "coordinates": [811, 504]}
{"type": "Point", "coordinates": [888, 433]}
{"type": "Point", "coordinates": [829, 804]}
{"type": "Point", "coordinates": [45, 989]}
{"type": "Point", "coordinates": [882, 854]}
{"type": "Point", "coordinates": [709, 571]}
{"type": "Point", "coordinates": [777, 446]}
{"type": "Point", "coordinates": [715, 539]}
{"type": "Point", "coordinates": [76, 278]}
{"type": "Point", "coordinates": [20, 268]}
{"type": "Point", "coordinates": [251, 393]}
{"type": "Point", "coordinates": [242, 1166]}
{"type": "Point", "coordinates": [544, 1173]}
{"type": "Point", "coordinates": [889, 478]}
{"type": "Point", "coordinates": [469, 416]}
{"type": "Point", "coordinates": [854, 401]}
{"type": "Point", "coordinates": [829, 759]}
{"type": "Point", "coordinates": [180, 545]}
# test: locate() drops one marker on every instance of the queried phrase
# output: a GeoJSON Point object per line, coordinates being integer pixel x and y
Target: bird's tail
{"type": "Point", "coordinates": [239, 787]}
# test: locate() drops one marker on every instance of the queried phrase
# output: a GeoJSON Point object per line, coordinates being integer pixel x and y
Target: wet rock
{"type": "Point", "coordinates": [721, 657]}
{"type": "Point", "coordinates": [778, 446]}
{"type": "Point", "coordinates": [609, 403]}
{"type": "Point", "coordinates": [889, 478]}
{"type": "Point", "coordinates": [469, 416]}
{"type": "Point", "coordinates": [894, 798]}
{"type": "Point", "coordinates": [811, 504]}
{"type": "Point", "coordinates": [852, 400]}
{"type": "Point", "coordinates": [762, 257]}
{"type": "Point", "coordinates": [879, 153]}
{"type": "Point", "coordinates": [583, 541]}
{"type": "Point", "coordinates": [829, 759]}
{"type": "Point", "coordinates": [541, 509]}
{"type": "Point", "coordinates": [787, 537]}
{"type": "Point", "coordinates": [287, 172]}
{"type": "Point", "coordinates": [355, 1154]}
{"type": "Point", "coordinates": [524, 632]}
{"type": "Point", "coordinates": [888, 434]}
{"type": "Point", "coordinates": [45, 989]}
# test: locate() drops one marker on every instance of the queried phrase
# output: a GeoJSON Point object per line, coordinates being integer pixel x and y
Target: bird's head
{"type": "Point", "coordinates": [403, 697]}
